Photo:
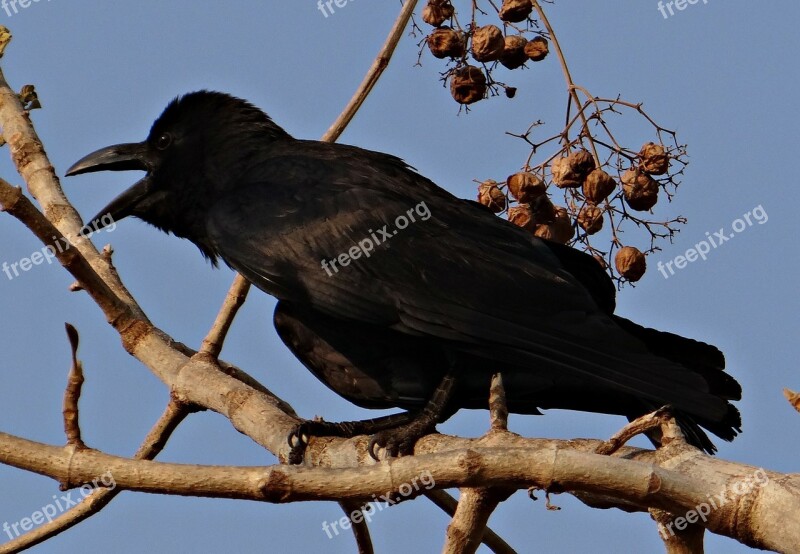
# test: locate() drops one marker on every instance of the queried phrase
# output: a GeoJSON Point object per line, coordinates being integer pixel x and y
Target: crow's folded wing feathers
{"type": "Point", "coordinates": [462, 275]}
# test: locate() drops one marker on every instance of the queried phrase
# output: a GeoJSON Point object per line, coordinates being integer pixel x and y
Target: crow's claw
{"type": "Point", "coordinates": [399, 441]}
{"type": "Point", "coordinates": [298, 440]}
{"type": "Point", "coordinates": [299, 436]}
{"type": "Point", "coordinates": [302, 433]}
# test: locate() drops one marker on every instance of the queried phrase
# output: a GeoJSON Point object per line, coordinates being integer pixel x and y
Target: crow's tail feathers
{"type": "Point", "coordinates": [709, 362]}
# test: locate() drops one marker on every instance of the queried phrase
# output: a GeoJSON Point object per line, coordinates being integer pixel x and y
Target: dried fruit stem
{"type": "Point", "coordinates": [568, 76]}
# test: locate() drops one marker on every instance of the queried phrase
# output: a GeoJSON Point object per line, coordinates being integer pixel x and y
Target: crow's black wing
{"type": "Point", "coordinates": [461, 275]}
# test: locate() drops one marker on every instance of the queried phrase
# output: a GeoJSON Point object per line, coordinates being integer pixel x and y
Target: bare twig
{"type": "Point", "coordinates": [475, 506]}
{"type": "Point", "coordinates": [571, 88]}
{"type": "Point", "coordinates": [498, 410]}
{"type": "Point", "coordinates": [237, 294]}
{"type": "Point", "coordinates": [353, 509]}
{"type": "Point", "coordinates": [448, 505]}
{"type": "Point", "coordinates": [72, 393]}
{"type": "Point", "coordinates": [374, 73]}
{"type": "Point", "coordinates": [647, 422]}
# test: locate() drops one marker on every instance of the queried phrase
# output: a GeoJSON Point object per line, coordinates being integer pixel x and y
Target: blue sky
{"type": "Point", "coordinates": [721, 73]}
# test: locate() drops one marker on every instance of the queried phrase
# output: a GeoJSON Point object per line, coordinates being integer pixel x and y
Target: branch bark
{"type": "Point", "coordinates": [678, 479]}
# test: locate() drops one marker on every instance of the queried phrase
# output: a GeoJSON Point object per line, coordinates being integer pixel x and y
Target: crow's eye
{"type": "Point", "coordinates": [163, 141]}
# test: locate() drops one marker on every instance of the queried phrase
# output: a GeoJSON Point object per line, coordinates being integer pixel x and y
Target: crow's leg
{"type": "Point", "coordinates": [401, 439]}
{"type": "Point", "coordinates": [298, 438]}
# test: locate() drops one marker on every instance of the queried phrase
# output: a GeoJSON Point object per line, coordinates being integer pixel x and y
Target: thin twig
{"type": "Point", "coordinates": [565, 69]}
{"type": "Point", "coordinates": [360, 528]}
{"type": "Point", "coordinates": [475, 506]}
{"type": "Point", "coordinates": [72, 393]}
{"type": "Point", "coordinates": [448, 504]}
{"type": "Point", "coordinates": [372, 76]}
{"type": "Point", "coordinates": [498, 409]}
{"type": "Point", "coordinates": [647, 422]}
{"type": "Point", "coordinates": [234, 300]}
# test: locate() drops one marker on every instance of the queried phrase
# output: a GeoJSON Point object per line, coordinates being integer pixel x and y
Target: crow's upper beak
{"type": "Point", "coordinates": [120, 157]}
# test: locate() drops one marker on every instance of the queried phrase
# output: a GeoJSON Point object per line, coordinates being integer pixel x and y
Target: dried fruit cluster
{"type": "Point", "coordinates": [605, 186]}
{"type": "Point", "coordinates": [484, 44]}
{"type": "Point", "coordinates": [592, 196]}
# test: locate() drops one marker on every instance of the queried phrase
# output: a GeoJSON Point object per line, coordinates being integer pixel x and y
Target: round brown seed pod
{"type": "Point", "coordinates": [597, 186]}
{"type": "Point", "coordinates": [445, 42]}
{"type": "Point", "coordinates": [630, 263]}
{"type": "Point", "coordinates": [490, 195]}
{"type": "Point", "coordinates": [562, 225]}
{"type": "Point", "coordinates": [558, 228]}
{"type": "Point", "coordinates": [562, 177]}
{"type": "Point", "coordinates": [468, 84]}
{"type": "Point", "coordinates": [570, 171]}
{"type": "Point", "coordinates": [522, 216]}
{"type": "Point", "coordinates": [654, 159]}
{"type": "Point", "coordinates": [525, 187]}
{"type": "Point", "coordinates": [582, 162]}
{"type": "Point", "coordinates": [487, 43]}
{"type": "Point", "coordinates": [514, 51]}
{"type": "Point", "coordinates": [590, 218]}
{"type": "Point", "coordinates": [514, 11]}
{"type": "Point", "coordinates": [537, 49]}
{"type": "Point", "coordinates": [437, 12]}
{"type": "Point", "coordinates": [640, 190]}
{"type": "Point", "coordinates": [545, 231]}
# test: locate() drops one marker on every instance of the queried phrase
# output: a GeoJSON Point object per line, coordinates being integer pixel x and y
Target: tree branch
{"type": "Point", "coordinates": [678, 479]}
{"type": "Point", "coordinates": [475, 506]}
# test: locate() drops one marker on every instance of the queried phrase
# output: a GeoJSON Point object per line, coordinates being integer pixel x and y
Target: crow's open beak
{"type": "Point", "coordinates": [120, 157]}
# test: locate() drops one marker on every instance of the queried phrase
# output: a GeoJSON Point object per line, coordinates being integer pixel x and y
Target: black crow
{"type": "Point", "coordinates": [394, 292]}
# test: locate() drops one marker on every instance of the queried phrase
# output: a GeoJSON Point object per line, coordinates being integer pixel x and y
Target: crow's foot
{"type": "Point", "coordinates": [400, 441]}
{"type": "Point", "coordinates": [302, 432]}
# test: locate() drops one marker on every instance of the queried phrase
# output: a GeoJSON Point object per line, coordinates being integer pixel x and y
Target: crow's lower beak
{"type": "Point", "coordinates": [120, 157]}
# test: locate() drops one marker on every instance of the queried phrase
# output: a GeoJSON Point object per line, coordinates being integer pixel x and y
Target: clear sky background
{"type": "Point", "coordinates": [724, 74]}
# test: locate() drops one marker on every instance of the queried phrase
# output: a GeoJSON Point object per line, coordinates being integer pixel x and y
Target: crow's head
{"type": "Point", "coordinates": [197, 149]}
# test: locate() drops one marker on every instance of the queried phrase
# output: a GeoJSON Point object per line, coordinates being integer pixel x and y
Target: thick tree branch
{"type": "Point", "coordinates": [677, 479]}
